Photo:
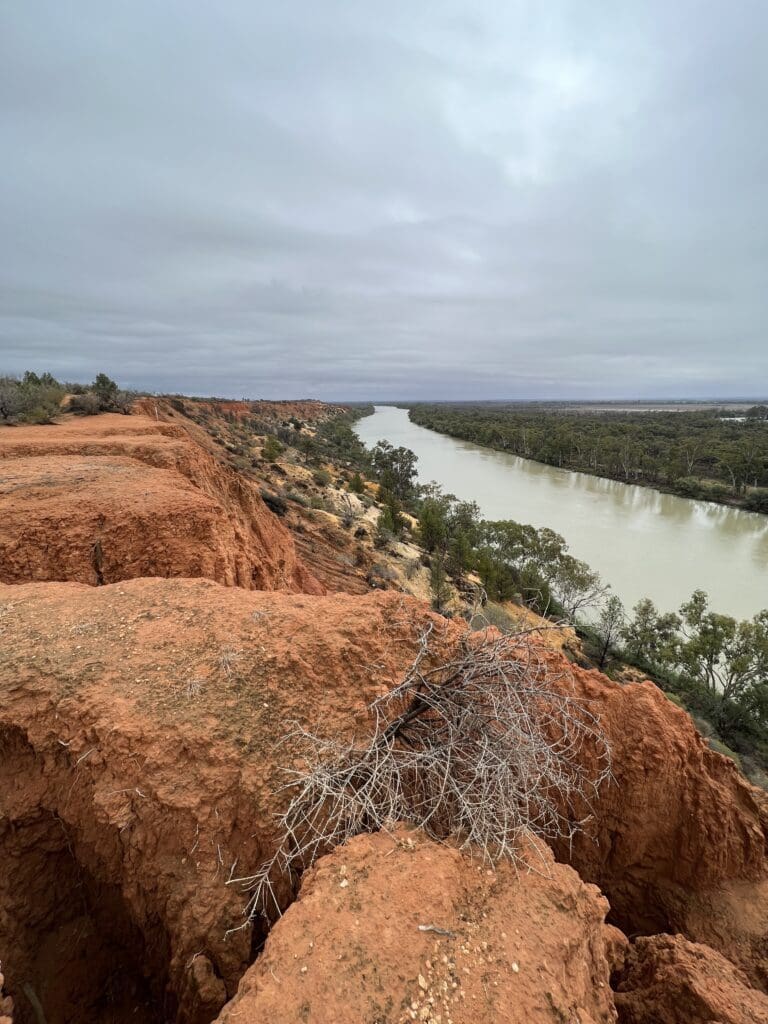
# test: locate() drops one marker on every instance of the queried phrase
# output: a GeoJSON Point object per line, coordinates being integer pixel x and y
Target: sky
{"type": "Point", "coordinates": [372, 200]}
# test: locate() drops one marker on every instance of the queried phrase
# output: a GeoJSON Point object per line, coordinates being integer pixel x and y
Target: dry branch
{"type": "Point", "coordinates": [483, 748]}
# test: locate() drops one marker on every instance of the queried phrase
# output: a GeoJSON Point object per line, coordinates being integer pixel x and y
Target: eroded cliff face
{"type": "Point", "coordinates": [677, 818]}
{"type": "Point", "coordinates": [141, 731]}
{"type": "Point", "coordinates": [667, 980]}
{"type": "Point", "coordinates": [141, 734]}
{"type": "Point", "coordinates": [308, 411]}
{"type": "Point", "coordinates": [106, 498]}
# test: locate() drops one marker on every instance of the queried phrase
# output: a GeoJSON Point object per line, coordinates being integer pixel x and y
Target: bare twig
{"type": "Point", "coordinates": [484, 748]}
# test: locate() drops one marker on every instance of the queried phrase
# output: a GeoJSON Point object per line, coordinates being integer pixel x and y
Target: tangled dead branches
{"type": "Point", "coordinates": [483, 748]}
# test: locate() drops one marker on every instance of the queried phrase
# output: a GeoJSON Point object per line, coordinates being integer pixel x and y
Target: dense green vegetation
{"type": "Point", "coordinates": [37, 398]}
{"type": "Point", "coordinates": [702, 454]}
{"type": "Point", "coordinates": [717, 665]}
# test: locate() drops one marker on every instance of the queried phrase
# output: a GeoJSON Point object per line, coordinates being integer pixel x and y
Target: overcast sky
{"type": "Point", "coordinates": [350, 199]}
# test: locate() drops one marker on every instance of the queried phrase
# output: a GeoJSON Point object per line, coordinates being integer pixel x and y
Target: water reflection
{"type": "Point", "coordinates": [642, 541]}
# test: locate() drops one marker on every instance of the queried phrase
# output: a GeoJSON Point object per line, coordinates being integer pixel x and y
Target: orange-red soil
{"type": "Point", "coordinates": [141, 733]}
{"type": "Point", "coordinates": [106, 498]}
{"type": "Point", "coordinates": [668, 980]}
{"type": "Point", "coordinates": [526, 947]}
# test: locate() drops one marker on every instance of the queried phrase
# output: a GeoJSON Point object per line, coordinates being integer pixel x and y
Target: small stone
{"type": "Point", "coordinates": [303, 970]}
{"type": "Point", "coordinates": [516, 968]}
{"type": "Point", "coordinates": [343, 883]}
{"type": "Point", "coordinates": [422, 982]}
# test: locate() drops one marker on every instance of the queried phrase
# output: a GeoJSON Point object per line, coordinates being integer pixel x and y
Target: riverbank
{"type": "Point", "coordinates": [699, 454]}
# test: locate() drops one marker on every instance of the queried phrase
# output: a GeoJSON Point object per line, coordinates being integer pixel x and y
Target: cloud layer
{"type": "Point", "coordinates": [387, 200]}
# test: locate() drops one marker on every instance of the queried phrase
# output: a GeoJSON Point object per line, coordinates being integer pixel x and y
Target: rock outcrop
{"type": "Point", "coordinates": [396, 928]}
{"type": "Point", "coordinates": [669, 980]}
{"type": "Point", "coordinates": [106, 498]}
{"type": "Point", "coordinates": [677, 820]}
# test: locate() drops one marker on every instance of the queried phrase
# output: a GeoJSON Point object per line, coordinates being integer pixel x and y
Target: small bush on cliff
{"type": "Point", "coordinates": [123, 402]}
{"type": "Point", "coordinates": [485, 748]}
{"type": "Point", "coordinates": [356, 484]}
{"type": "Point", "coordinates": [86, 404]}
{"type": "Point", "coordinates": [272, 449]}
{"type": "Point", "coordinates": [105, 390]}
{"type": "Point", "coordinates": [33, 399]}
{"type": "Point", "coordinates": [10, 399]}
{"type": "Point", "coordinates": [275, 502]}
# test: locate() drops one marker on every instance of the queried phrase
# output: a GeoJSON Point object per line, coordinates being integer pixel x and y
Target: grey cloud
{"type": "Point", "coordinates": [353, 200]}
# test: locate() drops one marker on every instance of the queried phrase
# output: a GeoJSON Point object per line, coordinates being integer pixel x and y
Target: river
{"type": "Point", "coordinates": [643, 542]}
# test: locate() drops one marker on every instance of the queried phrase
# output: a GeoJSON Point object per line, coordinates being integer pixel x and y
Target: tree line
{"type": "Point", "coordinates": [699, 454]}
{"type": "Point", "coordinates": [39, 398]}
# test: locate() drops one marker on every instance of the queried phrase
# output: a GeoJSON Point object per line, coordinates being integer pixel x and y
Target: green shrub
{"type": "Point", "coordinates": [757, 500]}
{"type": "Point", "coordinates": [42, 413]}
{"type": "Point", "coordinates": [272, 449]}
{"type": "Point", "coordinates": [720, 747]}
{"type": "Point", "coordinates": [717, 491]}
{"type": "Point", "coordinates": [492, 614]}
{"type": "Point", "coordinates": [86, 404]}
{"type": "Point", "coordinates": [690, 487]}
{"type": "Point", "coordinates": [105, 390]}
{"type": "Point", "coordinates": [33, 399]}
